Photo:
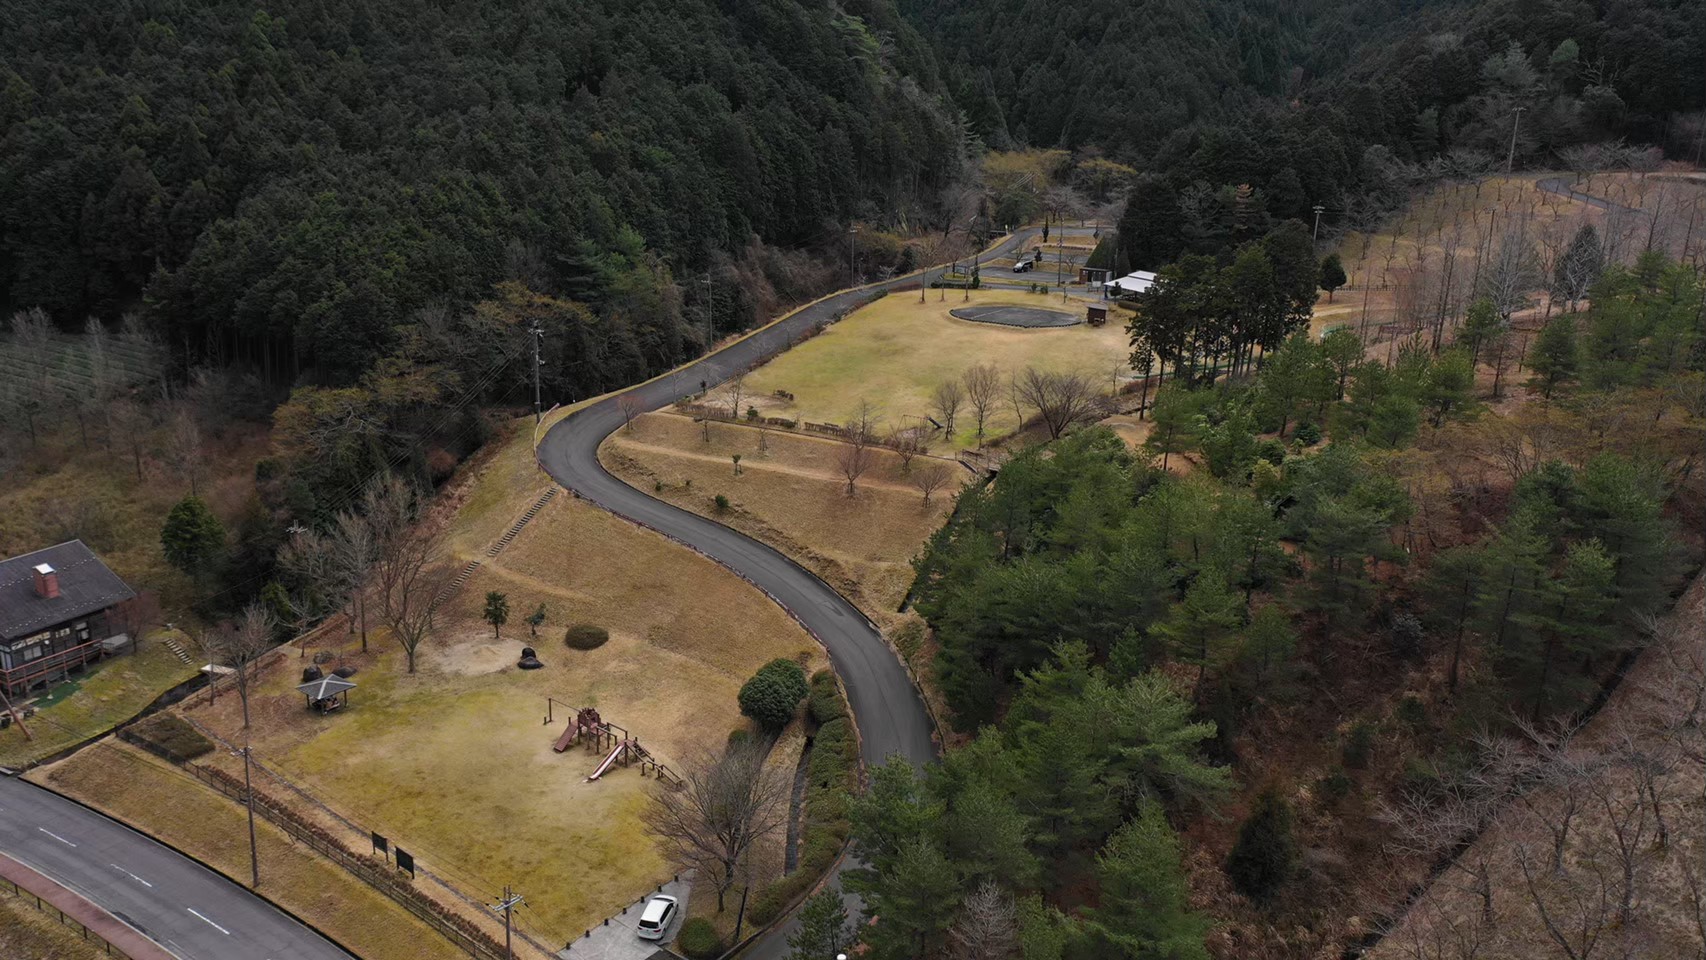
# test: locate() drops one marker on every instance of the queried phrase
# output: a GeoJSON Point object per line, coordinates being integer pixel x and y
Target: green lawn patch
{"type": "Point", "coordinates": [113, 691]}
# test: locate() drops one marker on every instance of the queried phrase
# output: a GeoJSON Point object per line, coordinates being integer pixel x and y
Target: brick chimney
{"type": "Point", "coordinates": [47, 582]}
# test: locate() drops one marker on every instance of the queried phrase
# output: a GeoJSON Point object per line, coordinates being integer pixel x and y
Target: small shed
{"type": "Point", "coordinates": [1093, 274]}
{"type": "Point", "coordinates": [327, 693]}
{"type": "Point", "coordinates": [1096, 314]}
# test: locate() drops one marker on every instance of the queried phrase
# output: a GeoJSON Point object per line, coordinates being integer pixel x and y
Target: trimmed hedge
{"type": "Point", "coordinates": [698, 939]}
{"type": "Point", "coordinates": [585, 636]}
{"type": "Point", "coordinates": [825, 701]}
{"type": "Point", "coordinates": [168, 736]}
{"type": "Point", "coordinates": [830, 780]}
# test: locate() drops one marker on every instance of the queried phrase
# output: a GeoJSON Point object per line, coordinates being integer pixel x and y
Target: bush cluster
{"type": "Point", "coordinates": [585, 636]}
{"type": "Point", "coordinates": [168, 736]}
{"type": "Point", "coordinates": [770, 697]}
{"type": "Point", "coordinates": [825, 703]}
{"type": "Point", "coordinates": [698, 939]}
{"type": "Point", "coordinates": [829, 778]}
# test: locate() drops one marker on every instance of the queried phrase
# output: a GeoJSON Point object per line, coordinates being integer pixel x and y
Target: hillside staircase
{"type": "Point", "coordinates": [177, 649]}
{"type": "Point", "coordinates": [495, 549]}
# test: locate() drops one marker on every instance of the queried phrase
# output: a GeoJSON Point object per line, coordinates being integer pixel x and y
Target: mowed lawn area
{"type": "Point", "coordinates": [793, 496]}
{"type": "Point", "coordinates": [894, 352]}
{"type": "Point", "coordinates": [111, 692]}
{"type": "Point", "coordinates": [455, 764]}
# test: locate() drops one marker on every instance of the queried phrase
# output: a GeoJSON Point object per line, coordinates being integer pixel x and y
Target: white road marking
{"type": "Point", "coordinates": [131, 875]}
{"type": "Point", "coordinates": [56, 836]}
{"type": "Point", "coordinates": [208, 922]}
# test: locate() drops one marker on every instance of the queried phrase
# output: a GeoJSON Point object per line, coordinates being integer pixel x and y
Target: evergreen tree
{"type": "Point", "coordinates": [1200, 628]}
{"type": "Point", "coordinates": [1452, 582]}
{"type": "Point", "coordinates": [1514, 561]}
{"type": "Point", "coordinates": [1143, 912]}
{"type": "Point", "coordinates": [1450, 380]}
{"type": "Point", "coordinates": [824, 931]}
{"type": "Point", "coordinates": [1265, 856]}
{"type": "Point", "coordinates": [1554, 358]}
{"type": "Point", "coordinates": [1481, 323]}
{"type": "Point", "coordinates": [1175, 422]}
{"type": "Point", "coordinates": [1568, 625]}
{"type": "Point", "coordinates": [1332, 274]}
{"type": "Point", "coordinates": [192, 538]}
{"type": "Point", "coordinates": [496, 612]}
{"type": "Point", "coordinates": [914, 904]}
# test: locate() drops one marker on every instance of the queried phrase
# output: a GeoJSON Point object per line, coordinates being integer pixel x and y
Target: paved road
{"type": "Point", "coordinates": [177, 902]}
{"type": "Point", "coordinates": [1562, 187]}
{"type": "Point", "coordinates": [891, 718]}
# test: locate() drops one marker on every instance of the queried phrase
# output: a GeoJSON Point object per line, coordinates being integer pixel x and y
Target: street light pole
{"type": "Point", "coordinates": [1510, 157]}
{"type": "Point", "coordinates": [705, 311]}
{"type": "Point", "coordinates": [1316, 236]}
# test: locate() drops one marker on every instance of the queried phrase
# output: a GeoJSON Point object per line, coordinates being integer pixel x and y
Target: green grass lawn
{"type": "Point", "coordinates": [112, 692]}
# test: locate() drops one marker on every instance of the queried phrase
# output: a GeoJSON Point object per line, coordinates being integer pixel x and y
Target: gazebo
{"type": "Point", "coordinates": [328, 693]}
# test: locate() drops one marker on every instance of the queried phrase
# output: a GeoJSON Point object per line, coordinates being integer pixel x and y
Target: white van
{"type": "Point", "coordinates": [659, 914]}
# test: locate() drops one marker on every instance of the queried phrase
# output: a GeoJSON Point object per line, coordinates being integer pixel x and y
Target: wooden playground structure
{"type": "Point", "coordinates": [596, 734]}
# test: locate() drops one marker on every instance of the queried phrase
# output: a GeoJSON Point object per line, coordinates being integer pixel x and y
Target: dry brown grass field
{"type": "Point", "coordinates": [894, 352]}
{"type": "Point", "coordinates": [793, 496]}
{"type": "Point", "coordinates": [454, 762]}
{"type": "Point", "coordinates": [157, 799]}
{"type": "Point", "coordinates": [30, 934]}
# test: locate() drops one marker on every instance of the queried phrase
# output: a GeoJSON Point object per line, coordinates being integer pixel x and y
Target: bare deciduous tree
{"type": "Point", "coordinates": [239, 645]}
{"type": "Point", "coordinates": [183, 447]}
{"type": "Point", "coordinates": [988, 925]}
{"type": "Point", "coordinates": [906, 445]}
{"type": "Point", "coordinates": [946, 402]}
{"type": "Point", "coordinates": [1459, 808]}
{"type": "Point", "coordinates": [732, 390]}
{"type": "Point", "coordinates": [405, 562]}
{"type": "Point", "coordinates": [982, 384]}
{"type": "Point", "coordinates": [129, 419]}
{"type": "Point", "coordinates": [1060, 399]}
{"type": "Point", "coordinates": [930, 477]}
{"type": "Point", "coordinates": [629, 406]}
{"type": "Point", "coordinates": [725, 807]}
{"type": "Point", "coordinates": [856, 454]}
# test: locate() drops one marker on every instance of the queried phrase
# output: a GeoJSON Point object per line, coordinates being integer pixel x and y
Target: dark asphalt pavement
{"type": "Point", "coordinates": [890, 715]}
{"type": "Point", "coordinates": [178, 903]}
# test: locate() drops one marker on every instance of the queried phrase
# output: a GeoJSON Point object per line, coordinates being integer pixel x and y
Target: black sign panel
{"type": "Point", "coordinates": [380, 844]}
{"type": "Point", "coordinates": [405, 861]}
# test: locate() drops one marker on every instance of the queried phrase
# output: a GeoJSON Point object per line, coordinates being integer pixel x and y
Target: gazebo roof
{"type": "Point", "coordinates": [326, 687]}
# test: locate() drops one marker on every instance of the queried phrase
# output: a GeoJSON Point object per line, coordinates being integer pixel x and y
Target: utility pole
{"type": "Point", "coordinates": [852, 231]}
{"type": "Point", "coordinates": [507, 904]}
{"type": "Point", "coordinates": [706, 311]}
{"type": "Point", "coordinates": [1510, 157]}
{"type": "Point", "coordinates": [249, 801]}
{"type": "Point", "coordinates": [537, 363]}
{"type": "Point", "coordinates": [1316, 236]}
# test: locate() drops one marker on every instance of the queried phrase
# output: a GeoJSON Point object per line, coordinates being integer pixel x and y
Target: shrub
{"type": "Point", "coordinates": [826, 703]}
{"type": "Point", "coordinates": [771, 696]}
{"type": "Point", "coordinates": [1358, 745]}
{"type": "Point", "coordinates": [768, 905]}
{"type": "Point", "coordinates": [1266, 853]}
{"type": "Point", "coordinates": [752, 413]}
{"type": "Point", "coordinates": [1412, 712]}
{"type": "Point", "coordinates": [585, 636]}
{"type": "Point", "coordinates": [698, 939]}
{"type": "Point", "coordinates": [657, 486]}
{"type": "Point", "coordinates": [722, 503]}
{"type": "Point", "coordinates": [1336, 785]}
{"type": "Point", "coordinates": [738, 736]}
{"type": "Point", "coordinates": [169, 736]}
{"type": "Point", "coordinates": [1272, 451]}
{"type": "Point", "coordinates": [1308, 433]}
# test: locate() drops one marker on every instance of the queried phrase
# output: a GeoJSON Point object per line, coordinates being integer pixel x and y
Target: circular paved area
{"type": "Point", "coordinates": [1017, 316]}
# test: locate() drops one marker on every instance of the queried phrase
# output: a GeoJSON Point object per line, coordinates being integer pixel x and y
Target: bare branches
{"type": "Point", "coordinates": [405, 562]}
{"type": "Point", "coordinates": [982, 384]}
{"type": "Point", "coordinates": [732, 390]}
{"type": "Point", "coordinates": [239, 645]}
{"type": "Point", "coordinates": [946, 402]}
{"type": "Point", "coordinates": [629, 406]}
{"type": "Point", "coordinates": [930, 477]}
{"type": "Point", "coordinates": [988, 925]}
{"type": "Point", "coordinates": [724, 808]}
{"type": "Point", "coordinates": [1060, 399]}
{"type": "Point", "coordinates": [856, 455]}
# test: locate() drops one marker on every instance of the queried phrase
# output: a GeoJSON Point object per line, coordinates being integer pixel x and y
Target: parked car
{"type": "Point", "coordinates": [1024, 266]}
{"type": "Point", "coordinates": [659, 914]}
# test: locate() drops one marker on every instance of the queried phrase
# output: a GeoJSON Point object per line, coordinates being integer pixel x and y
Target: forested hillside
{"type": "Point", "coordinates": [1238, 113]}
{"type": "Point", "coordinates": [286, 184]}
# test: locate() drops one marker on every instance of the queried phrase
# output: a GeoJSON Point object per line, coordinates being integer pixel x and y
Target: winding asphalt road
{"type": "Point", "coordinates": [886, 706]}
{"type": "Point", "coordinates": [176, 902]}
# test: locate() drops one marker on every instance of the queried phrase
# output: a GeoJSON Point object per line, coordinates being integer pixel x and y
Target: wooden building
{"type": "Point", "coordinates": [57, 614]}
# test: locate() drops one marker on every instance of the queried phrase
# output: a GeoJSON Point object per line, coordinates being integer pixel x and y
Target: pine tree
{"type": "Point", "coordinates": [1480, 325]}
{"type": "Point", "coordinates": [1265, 855]}
{"type": "Point", "coordinates": [1451, 585]}
{"type": "Point", "coordinates": [192, 538]}
{"type": "Point", "coordinates": [1569, 624]}
{"type": "Point", "coordinates": [1554, 358]}
{"type": "Point", "coordinates": [1175, 420]}
{"type": "Point", "coordinates": [1143, 912]}
{"type": "Point", "coordinates": [913, 905]}
{"type": "Point", "coordinates": [1200, 627]}
{"type": "Point", "coordinates": [1514, 561]}
{"type": "Point", "coordinates": [824, 931]}
{"type": "Point", "coordinates": [1332, 274]}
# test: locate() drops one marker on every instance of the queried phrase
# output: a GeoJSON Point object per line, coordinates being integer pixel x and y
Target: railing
{"type": "Point", "coordinates": [8, 888]}
{"type": "Point", "coordinates": [64, 659]}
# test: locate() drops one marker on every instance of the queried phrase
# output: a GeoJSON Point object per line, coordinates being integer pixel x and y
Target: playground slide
{"type": "Point", "coordinates": [621, 745]}
{"type": "Point", "coordinates": [566, 739]}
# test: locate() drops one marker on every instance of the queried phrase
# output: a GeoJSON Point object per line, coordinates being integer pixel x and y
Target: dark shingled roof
{"type": "Point", "coordinates": [326, 686]}
{"type": "Point", "coordinates": [85, 586]}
